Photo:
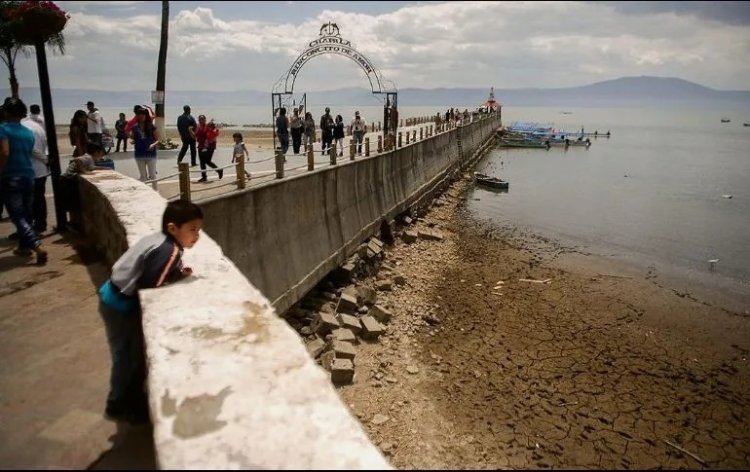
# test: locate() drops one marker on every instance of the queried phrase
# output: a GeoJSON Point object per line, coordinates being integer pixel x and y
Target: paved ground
{"type": "Point", "coordinates": [55, 364]}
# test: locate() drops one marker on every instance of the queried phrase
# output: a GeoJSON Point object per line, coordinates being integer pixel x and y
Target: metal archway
{"type": "Point", "coordinates": [329, 41]}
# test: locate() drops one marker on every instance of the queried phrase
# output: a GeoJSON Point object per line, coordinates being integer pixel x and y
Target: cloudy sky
{"type": "Point", "coordinates": [249, 45]}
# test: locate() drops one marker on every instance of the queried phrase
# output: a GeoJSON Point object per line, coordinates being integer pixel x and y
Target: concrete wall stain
{"type": "Point", "coordinates": [168, 405]}
{"type": "Point", "coordinates": [196, 416]}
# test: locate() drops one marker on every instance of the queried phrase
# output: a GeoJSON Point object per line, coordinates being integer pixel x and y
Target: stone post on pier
{"type": "Point", "coordinates": [184, 181]}
{"type": "Point", "coordinates": [380, 144]}
{"type": "Point", "coordinates": [332, 152]}
{"type": "Point", "coordinates": [399, 139]}
{"type": "Point", "coordinates": [367, 147]}
{"type": "Point", "coordinates": [310, 157]}
{"type": "Point", "coordinates": [279, 164]}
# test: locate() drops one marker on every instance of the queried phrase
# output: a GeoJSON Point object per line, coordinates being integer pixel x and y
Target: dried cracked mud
{"type": "Point", "coordinates": [589, 370]}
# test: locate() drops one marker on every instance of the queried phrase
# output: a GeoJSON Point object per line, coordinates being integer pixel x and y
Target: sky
{"type": "Point", "coordinates": [250, 45]}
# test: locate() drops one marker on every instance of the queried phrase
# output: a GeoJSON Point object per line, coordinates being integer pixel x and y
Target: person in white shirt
{"type": "Point", "coordinates": [358, 129]}
{"type": "Point", "coordinates": [35, 114]}
{"type": "Point", "coordinates": [95, 123]}
{"type": "Point", "coordinates": [41, 170]}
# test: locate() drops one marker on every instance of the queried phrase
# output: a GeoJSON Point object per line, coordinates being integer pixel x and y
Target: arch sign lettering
{"type": "Point", "coordinates": [330, 42]}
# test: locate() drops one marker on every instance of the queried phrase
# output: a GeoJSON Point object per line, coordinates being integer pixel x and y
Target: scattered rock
{"type": "Point", "coordinates": [409, 236]}
{"type": "Point", "coordinates": [408, 220]}
{"type": "Point", "coordinates": [399, 279]}
{"type": "Point", "coordinates": [350, 322]}
{"type": "Point", "coordinates": [324, 323]}
{"type": "Point", "coordinates": [342, 371]}
{"type": "Point", "coordinates": [412, 369]}
{"type": "Point", "coordinates": [326, 360]}
{"type": "Point", "coordinates": [347, 303]}
{"type": "Point", "coordinates": [381, 314]}
{"type": "Point", "coordinates": [384, 285]}
{"type": "Point", "coordinates": [306, 331]}
{"type": "Point", "coordinates": [430, 234]}
{"type": "Point", "coordinates": [316, 347]}
{"type": "Point", "coordinates": [391, 380]}
{"type": "Point", "coordinates": [343, 334]}
{"type": "Point", "coordinates": [371, 329]}
{"type": "Point", "coordinates": [431, 319]}
{"type": "Point", "coordinates": [366, 295]}
{"type": "Point", "coordinates": [379, 419]}
{"type": "Point", "coordinates": [363, 310]}
{"type": "Point", "coordinates": [344, 350]}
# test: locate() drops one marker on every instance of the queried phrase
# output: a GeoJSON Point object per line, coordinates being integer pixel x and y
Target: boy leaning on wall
{"type": "Point", "coordinates": [152, 262]}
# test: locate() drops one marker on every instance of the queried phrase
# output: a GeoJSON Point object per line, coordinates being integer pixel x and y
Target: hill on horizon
{"type": "Point", "coordinates": [616, 92]}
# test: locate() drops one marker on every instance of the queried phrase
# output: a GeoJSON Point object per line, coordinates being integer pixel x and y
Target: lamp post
{"type": "Point", "coordinates": [49, 123]}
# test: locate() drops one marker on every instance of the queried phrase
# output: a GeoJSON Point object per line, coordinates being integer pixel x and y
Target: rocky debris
{"type": "Point", "coordinates": [412, 369]}
{"type": "Point", "coordinates": [305, 331]}
{"type": "Point", "coordinates": [324, 323]}
{"type": "Point", "coordinates": [391, 380]}
{"type": "Point", "coordinates": [407, 220]}
{"type": "Point", "coordinates": [371, 329]}
{"type": "Point", "coordinates": [366, 295]}
{"type": "Point", "coordinates": [343, 334]}
{"type": "Point", "coordinates": [347, 303]}
{"type": "Point", "coordinates": [384, 285]}
{"type": "Point", "coordinates": [430, 234]}
{"type": "Point", "coordinates": [399, 279]}
{"type": "Point", "coordinates": [316, 347]}
{"type": "Point", "coordinates": [344, 350]}
{"type": "Point", "coordinates": [381, 314]}
{"type": "Point", "coordinates": [363, 310]}
{"type": "Point", "coordinates": [326, 360]}
{"type": "Point", "coordinates": [409, 236]}
{"type": "Point", "coordinates": [431, 319]}
{"type": "Point", "coordinates": [379, 419]}
{"type": "Point", "coordinates": [342, 371]}
{"type": "Point", "coordinates": [350, 322]}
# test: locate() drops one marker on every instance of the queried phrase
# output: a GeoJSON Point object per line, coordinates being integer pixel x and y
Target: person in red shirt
{"type": "Point", "coordinates": [134, 121]}
{"type": "Point", "coordinates": [206, 135]}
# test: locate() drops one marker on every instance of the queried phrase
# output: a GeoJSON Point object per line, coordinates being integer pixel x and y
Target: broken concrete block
{"type": "Point", "coordinates": [342, 371]}
{"type": "Point", "coordinates": [377, 242]}
{"type": "Point", "coordinates": [324, 323]}
{"type": "Point", "coordinates": [350, 322]}
{"type": "Point", "coordinates": [366, 295]}
{"type": "Point", "coordinates": [347, 303]}
{"type": "Point", "coordinates": [362, 251]}
{"type": "Point", "coordinates": [371, 329]}
{"type": "Point", "coordinates": [326, 360]}
{"type": "Point", "coordinates": [431, 234]}
{"type": "Point", "coordinates": [343, 334]}
{"type": "Point", "coordinates": [383, 284]}
{"type": "Point", "coordinates": [408, 220]}
{"type": "Point", "coordinates": [381, 314]}
{"type": "Point", "coordinates": [316, 347]}
{"type": "Point", "coordinates": [344, 350]}
{"type": "Point", "coordinates": [374, 248]}
{"type": "Point", "coordinates": [409, 236]}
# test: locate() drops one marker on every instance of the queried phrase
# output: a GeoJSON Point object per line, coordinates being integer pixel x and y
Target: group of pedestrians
{"type": "Point", "coordinates": [332, 130]}
{"type": "Point", "coordinates": [201, 133]}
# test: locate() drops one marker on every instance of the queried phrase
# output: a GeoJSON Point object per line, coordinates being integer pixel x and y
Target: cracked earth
{"type": "Point", "coordinates": [601, 367]}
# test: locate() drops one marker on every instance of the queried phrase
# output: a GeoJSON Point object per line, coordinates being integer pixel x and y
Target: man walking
{"type": "Point", "coordinates": [186, 127]}
{"type": "Point", "coordinates": [358, 130]}
{"type": "Point", "coordinates": [95, 123]}
{"type": "Point", "coordinates": [41, 170]}
{"type": "Point", "coordinates": [326, 130]}
{"type": "Point", "coordinates": [36, 115]}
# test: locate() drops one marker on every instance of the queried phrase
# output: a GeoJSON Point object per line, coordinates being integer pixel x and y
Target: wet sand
{"type": "Point", "coordinates": [604, 366]}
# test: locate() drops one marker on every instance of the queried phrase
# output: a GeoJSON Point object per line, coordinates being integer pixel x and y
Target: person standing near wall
{"type": "Point", "coordinates": [17, 178]}
{"type": "Point", "coordinates": [95, 123]}
{"type": "Point", "coordinates": [297, 127]}
{"type": "Point", "coordinates": [144, 145]}
{"type": "Point", "coordinates": [77, 134]}
{"type": "Point", "coordinates": [39, 162]}
{"type": "Point", "coordinates": [338, 134]}
{"type": "Point", "coordinates": [358, 129]}
{"type": "Point", "coordinates": [122, 136]}
{"type": "Point", "coordinates": [309, 129]}
{"type": "Point", "coordinates": [282, 130]}
{"type": "Point", "coordinates": [186, 127]}
{"type": "Point", "coordinates": [326, 130]}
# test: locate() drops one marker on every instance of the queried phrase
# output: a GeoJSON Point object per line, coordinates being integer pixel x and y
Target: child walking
{"type": "Point", "coordinates": [152, 262]}
{"type": "Point", "coordinates": [240, 151]}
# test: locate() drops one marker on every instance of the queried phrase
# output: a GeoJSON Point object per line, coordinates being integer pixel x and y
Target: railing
{"type": "Point", "coordinates": [385, 143]}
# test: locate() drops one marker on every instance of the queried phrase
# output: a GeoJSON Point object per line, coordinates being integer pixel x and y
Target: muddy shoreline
{"type": "Point", "coordinates": [597, 367]}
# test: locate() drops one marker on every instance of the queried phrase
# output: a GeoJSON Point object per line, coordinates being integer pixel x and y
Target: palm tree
{"type": "Point", "coordinates": [161, 70]}
{"type": "Point", "coordinates": [9, 47]}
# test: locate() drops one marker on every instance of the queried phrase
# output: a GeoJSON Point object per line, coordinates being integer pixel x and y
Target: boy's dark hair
{"type": "Point", "coordinates": [35, 109]}
{"type": "Point", "coordinates": [180, 212]}
{"type": "Point", "coordinates": [237, 135]}
{"type": "Point", "coordinates": [14, 108]}
{"type": "Point", "coordinates": [92, 148]}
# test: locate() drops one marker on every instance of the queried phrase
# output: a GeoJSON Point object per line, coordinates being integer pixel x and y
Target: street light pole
{"type": "Point", "coordinates": [49, 122]}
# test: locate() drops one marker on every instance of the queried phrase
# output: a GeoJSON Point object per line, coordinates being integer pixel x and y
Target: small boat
{"type": "Point", "coordinates": [493, 182]}
{"type": "Point", "coordinates": [745, 124]}
{"type": "Point", "coordinates": [725, 120]}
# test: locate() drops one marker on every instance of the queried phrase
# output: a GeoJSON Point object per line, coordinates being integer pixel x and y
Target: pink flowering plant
{"type": "Point", "coordinates": [36, 20]}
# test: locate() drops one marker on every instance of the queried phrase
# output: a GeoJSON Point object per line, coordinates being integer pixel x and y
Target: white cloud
{"type": "Point", "coordinates": [466, 44]}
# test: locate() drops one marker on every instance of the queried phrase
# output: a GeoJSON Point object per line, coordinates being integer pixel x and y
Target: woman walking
{"type": "Point", "coordinates": [338, 134]}
{"type": "Point", "coordinates": [297, 127]}
{"type": "Point", "coordinates": [79, 133]}
{"type": "Point", "coordinates": [144, 139]}
{"type": "Point", "coordinates": [309, 130]}
{"type": "Point", "coordinates": [206, 136]}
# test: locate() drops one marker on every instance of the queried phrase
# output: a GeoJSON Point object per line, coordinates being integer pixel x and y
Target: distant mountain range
{"type": "Point", "coordinates": [625, 91]}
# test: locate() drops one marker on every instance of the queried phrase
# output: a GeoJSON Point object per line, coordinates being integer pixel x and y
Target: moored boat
{"type": "Point", "coordinates": [493, 182]}
{"type": "Point", "coordinates": [725, 120]}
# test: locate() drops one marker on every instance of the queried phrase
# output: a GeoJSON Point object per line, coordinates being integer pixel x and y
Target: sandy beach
{"type": "Point", "coordinates": [510, 351]}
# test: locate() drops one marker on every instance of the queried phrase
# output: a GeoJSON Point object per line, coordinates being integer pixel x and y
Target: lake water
{"type": "Point", "coordinates": [652, 194]}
